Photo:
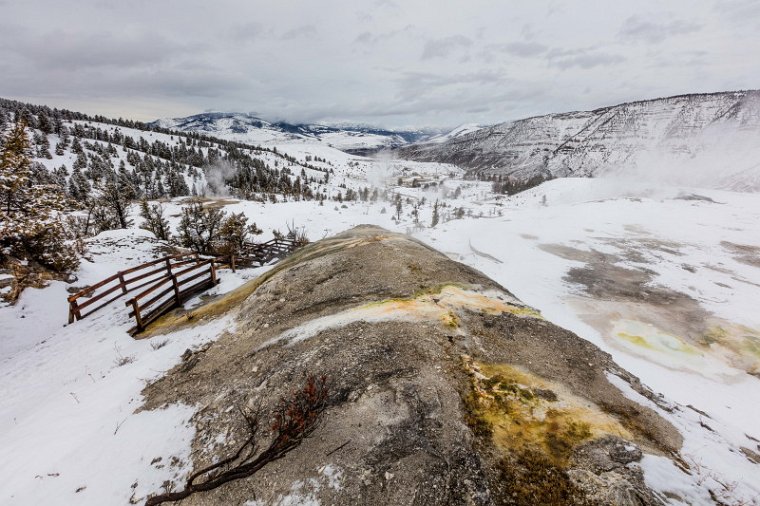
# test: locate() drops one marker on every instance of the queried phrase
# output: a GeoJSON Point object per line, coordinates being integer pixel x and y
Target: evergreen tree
{"type": "Point", "coordinates": [199, 227]}
{"type": "Point", "coordinates": [29, 213]}
{"type": "Point", "coordinates": [154, 220]}
{"type": "Point", "coordinates": [116, 194]}
{"type": "Point", "coordinates": [234, 233]}
{"type": "Point", "coordinates": [436, 218]}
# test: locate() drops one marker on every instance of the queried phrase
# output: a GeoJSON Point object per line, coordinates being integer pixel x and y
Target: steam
{"type": "Point", "coordinates": [723, 156]}
{"type": "Point", "coordinates": [216, 176]}
{"type": "Point", "coordinates": [383, 169]}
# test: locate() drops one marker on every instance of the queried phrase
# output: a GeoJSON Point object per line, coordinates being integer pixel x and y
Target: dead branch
{"type": "Point", "coordinates": [293, 420]}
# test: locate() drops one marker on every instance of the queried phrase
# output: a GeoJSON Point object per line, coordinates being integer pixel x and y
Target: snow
{"type": "Point", "coordinates": [250, 129]}
{"type": "Point", "coordinates": [586, 214]}
{"type": "Point", "coordinates": [707, 140]}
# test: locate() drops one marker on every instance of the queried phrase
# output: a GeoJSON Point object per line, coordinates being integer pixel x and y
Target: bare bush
{"type": "Point", "coordinates": [293, 420]}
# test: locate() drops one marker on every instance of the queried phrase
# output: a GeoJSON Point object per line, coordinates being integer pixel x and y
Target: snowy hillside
{"type": "Point", "coordinates": [709, 140]}
{"type": "Point", "coordinates": [251, 129]}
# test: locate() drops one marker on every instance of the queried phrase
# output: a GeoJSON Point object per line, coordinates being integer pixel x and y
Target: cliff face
{"type": "Point", "coordinates": [443, 388]}
{"type": "Point", "coordinates": [710, 137]}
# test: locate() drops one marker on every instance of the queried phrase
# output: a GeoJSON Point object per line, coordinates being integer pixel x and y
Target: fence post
{"type": "Point", "coordinates": [121, 281]}
{"type": "Point", "coordinates": [72, 305]}
{"type": "Point", "coordinates": [176, 288]}
{"type": "Point", "coordinates": [213, 272]}
{"type": "Point", "coordinates": [138, 317]}
{"type": "Point", "coordinates": [232, 261]}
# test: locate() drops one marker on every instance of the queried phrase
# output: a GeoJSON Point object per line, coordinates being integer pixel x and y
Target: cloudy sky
{"type": "Point", "coordinates": [394, 63]}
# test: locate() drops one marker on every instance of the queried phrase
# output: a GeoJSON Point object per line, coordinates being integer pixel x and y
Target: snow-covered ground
{"type": "Point", "coordinates": [70, 392]}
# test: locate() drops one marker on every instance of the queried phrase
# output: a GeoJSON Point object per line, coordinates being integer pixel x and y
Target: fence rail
{"type": "Point", "coordinates": [265, 252]}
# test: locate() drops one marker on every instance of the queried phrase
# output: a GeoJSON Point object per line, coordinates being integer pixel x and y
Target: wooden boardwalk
{"type": "Point", "coordinates": [168, 282]}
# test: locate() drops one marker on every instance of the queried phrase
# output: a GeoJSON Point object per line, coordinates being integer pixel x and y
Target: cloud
{"type": "Point", "coordinates": [384, 62]}
{"type": "Point", "coordinates": [441, 48]}
{"type": "Point", "coordinates": [66, 49]}
{"type": "Point", "coordinates": [303, 31]}
{"type": "Point", "coordinates": [637, 28]}
{"type": "Point", "coordinates": [739, 11]}
{"type": "Point", "coordinates": [522, 49]}
{"type": "Point", "coordinates": [247, 32]}
{"type": "Point", "coordinates": [370, 39]}
{"type": "Point", "coordinates": [582, 58]}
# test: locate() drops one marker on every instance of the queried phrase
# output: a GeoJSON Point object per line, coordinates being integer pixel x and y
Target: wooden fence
{"type": "Point", "coordinates": [168, 282]}
{"type": "Point", "coordinates": [170, 292]}
{"type": "Point", "coordinates": [260, 253]}
{"type": "Point", "coordinates": [123, 282]}
{"type": "Point", "coordinates": [267, 251]}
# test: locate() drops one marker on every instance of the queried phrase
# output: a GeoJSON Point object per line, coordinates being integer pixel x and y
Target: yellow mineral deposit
{"type": "Point", "coordinates": [443, 305]}
{"type": "Point", "coordinates": [734, 345]}
{"type": "Point", "coordinates": [526, 413]}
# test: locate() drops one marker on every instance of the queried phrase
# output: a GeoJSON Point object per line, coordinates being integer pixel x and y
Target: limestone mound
{"type": "Point", "coordinates": [445, 389]}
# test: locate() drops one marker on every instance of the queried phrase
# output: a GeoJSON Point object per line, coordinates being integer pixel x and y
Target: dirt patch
{"type": "Point", "coordinates": [749, 255]}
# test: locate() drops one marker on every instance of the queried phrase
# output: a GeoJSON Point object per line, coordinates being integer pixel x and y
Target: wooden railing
{"type": "Point", "coordinates": [170, 292]}
{"type": "Point", "coordinates": [169, 280]}
{"type": "Point", "coordinates": [124, 282]}
{"type": "Point", "coordinates": [267, 251]}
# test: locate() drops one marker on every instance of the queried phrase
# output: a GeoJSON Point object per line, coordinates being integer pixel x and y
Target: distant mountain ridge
{"type": "Point", "coordinates": [250, 128]}
{"type": "Point", "coordinates": [711, 139]}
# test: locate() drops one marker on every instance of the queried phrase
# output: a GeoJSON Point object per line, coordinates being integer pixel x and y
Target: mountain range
{"type": "Point", "coordinates": [249, 128]}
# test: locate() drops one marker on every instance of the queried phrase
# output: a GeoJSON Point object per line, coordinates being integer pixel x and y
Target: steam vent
{"type": "Point", "coordinates": [442, 388]}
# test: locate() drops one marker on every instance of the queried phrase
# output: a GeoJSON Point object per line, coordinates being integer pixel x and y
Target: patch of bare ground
{"type": "Point", "coordinates": [746, 254]}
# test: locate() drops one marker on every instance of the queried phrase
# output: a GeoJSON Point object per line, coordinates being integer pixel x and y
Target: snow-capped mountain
{"type": "Point", "coordinates": [249, 128]}
{"type": "Point", "coordinates": [702, 139]}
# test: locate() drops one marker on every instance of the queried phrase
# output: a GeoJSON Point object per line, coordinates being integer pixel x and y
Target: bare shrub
{"type": "Point", "coordinates": [293, 420]}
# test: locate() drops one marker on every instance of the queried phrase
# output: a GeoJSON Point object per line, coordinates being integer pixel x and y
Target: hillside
{"type": "Point", "coordinates": [703, 140]}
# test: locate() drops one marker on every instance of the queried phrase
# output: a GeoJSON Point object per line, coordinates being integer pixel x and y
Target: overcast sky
{"type": "Point", "coordinates": [386, 62]}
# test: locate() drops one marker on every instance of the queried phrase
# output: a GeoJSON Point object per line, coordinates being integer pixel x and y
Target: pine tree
{"type": "Point", "coordinates": [199, 227]}
{"type": "Point", "coordinates": [29, 213]}
{"type": "Point", "coordinates": [15, 165]}
{"type": "Point", "coordinates": [436, 218]}
{"type": "Point", "coordinates": [154, 220]}
{"type": "Point", "coordinates": [116, 195]}
{"type": "Point", "coordinates": [234, 232]}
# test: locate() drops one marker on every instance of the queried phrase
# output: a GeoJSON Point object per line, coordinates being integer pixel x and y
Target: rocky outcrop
{"type": "Point", "coordinates": [444, 388]}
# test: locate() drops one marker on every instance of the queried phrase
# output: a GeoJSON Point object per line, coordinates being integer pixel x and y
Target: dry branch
{"type": "Point", "coordinates": [294, 419]}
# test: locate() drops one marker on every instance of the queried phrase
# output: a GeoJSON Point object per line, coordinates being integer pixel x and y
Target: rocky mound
{"type": "Point", "coordinates": [443, 388]}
